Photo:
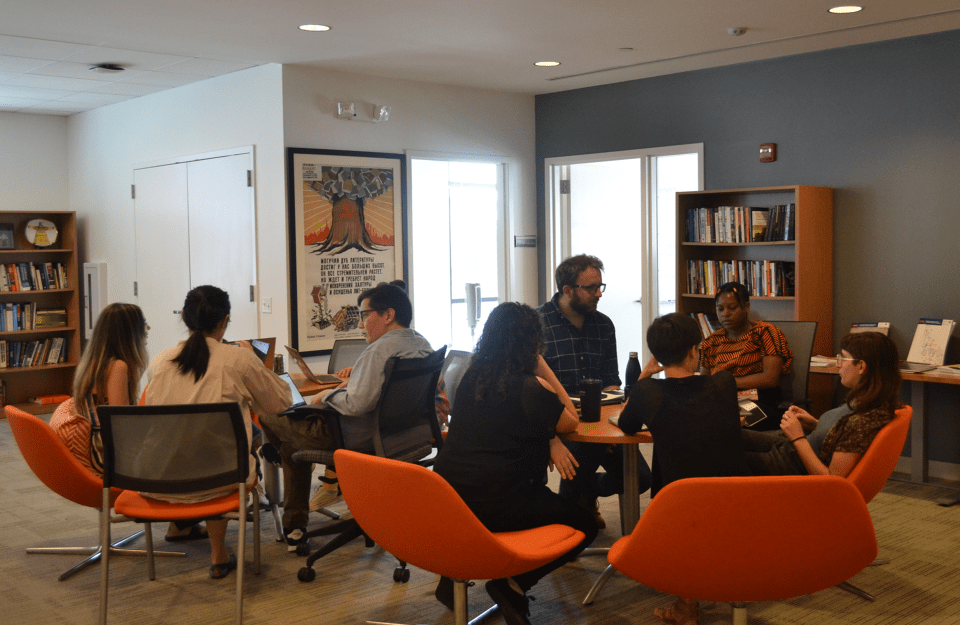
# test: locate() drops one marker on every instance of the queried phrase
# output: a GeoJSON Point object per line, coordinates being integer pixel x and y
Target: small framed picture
{"type": "Point", "coordinates": [6, 237]}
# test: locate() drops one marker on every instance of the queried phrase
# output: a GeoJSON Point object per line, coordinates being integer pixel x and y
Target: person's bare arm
{"type": "Point", "coordinates": [562, 459]}
{"type": "Point", "coordinates": [768, 378]}
{"type": "Point", "coordinates": [568, 419]}
{"type": "Point", "coordinates": [841, 463]}
{"type": "Point", "coordinates": [117, 391]}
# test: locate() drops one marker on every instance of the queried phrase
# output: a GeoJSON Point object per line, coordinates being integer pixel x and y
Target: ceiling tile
{"type": "Point", "coordinates": [94, 99]}
{"type": "Point", "coordinates": [12, 91]}
{"type": "Point", "coordinates": [20, 65]}
{"type": "Point", "coordinates": [52, 82]}
{"type": "Point", "coordinates": [128, 88]}
{"type": "Point", "coordinates": [38, 48]}
{"type": "Point", "coordinates": [162, 79]}
{"type": "Point", "coordinates": [206, 67]}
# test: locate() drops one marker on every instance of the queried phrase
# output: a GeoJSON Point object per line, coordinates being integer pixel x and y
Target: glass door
{"type": "Point", "coordinates": [456, 234]}
{"type": "Point", "coordinates": [621, 208]}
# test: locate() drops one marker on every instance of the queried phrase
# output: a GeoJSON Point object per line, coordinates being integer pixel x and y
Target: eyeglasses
{"type": "Point", "coordinates": [592, 288]}
{"type": "Point", "coordinates": [840, 360]}
{"type": "Point", "coordinates": [365, 312]}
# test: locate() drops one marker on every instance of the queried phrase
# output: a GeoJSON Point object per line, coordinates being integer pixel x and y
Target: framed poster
{"type": "Point", "coordinates": [347, 212]}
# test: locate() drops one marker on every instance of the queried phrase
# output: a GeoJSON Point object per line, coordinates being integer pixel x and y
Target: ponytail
{"type": "Point", "coordinates": [203, 310]}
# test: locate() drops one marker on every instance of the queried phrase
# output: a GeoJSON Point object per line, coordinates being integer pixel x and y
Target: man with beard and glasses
{"type": "Point", "coordinates": [581, 343]}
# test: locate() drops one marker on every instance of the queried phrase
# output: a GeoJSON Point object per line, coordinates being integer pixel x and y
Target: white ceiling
{"type": "Point", "coordinates": [47, 47]}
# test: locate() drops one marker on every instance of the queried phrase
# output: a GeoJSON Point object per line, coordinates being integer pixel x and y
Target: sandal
{"type": "Point", "coordinates": [679, 613]}
{"type": "Point", "coordinates": [219, 571]}
{"type": "Point", "coordinates": [195, 533]}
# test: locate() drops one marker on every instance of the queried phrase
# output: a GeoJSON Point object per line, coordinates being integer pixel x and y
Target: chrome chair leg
{"type": "Point", "coordinates": [598, 585]}
{"type": "Point", "coordinates": [856, 591]}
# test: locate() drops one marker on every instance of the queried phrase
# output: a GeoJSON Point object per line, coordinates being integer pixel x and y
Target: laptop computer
{"type": "Point", "coordinates": [323, 378]}
{"type": "Point", "coordinates": [298, 399]}
{"type": "Point", "coordinates": [263, 348]}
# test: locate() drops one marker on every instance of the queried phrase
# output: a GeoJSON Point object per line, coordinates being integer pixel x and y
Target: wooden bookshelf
{"type": "Point", "coordinates": [22, 383]}
{"type": "Point", "coordinates": [811, 251]}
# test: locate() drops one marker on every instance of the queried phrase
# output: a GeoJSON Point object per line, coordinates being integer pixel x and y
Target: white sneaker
{"type": "Point", "coordinates": [324, 496]}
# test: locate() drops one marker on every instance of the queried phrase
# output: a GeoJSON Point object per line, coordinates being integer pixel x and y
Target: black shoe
{"type": "Point", "coordinates": [514, 606]}
{"type": "Point", "coordinates": [295, 539]}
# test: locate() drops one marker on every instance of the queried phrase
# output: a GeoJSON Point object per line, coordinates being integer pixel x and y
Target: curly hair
{"type": "Point", "coordinates": [507, 350]}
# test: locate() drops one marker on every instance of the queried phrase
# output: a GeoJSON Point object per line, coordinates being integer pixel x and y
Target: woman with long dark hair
{"type": "Point", "coordinates": [204, 369]}
{"type": "Point", "coordinates": [508, 411]}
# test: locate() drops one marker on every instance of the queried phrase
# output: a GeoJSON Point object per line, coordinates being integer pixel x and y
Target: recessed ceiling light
{"type": "Point", "coordinates": [547, 63]}
{"type": "Point", "coordinates": [315, 28]}
{"type": "Point", "coordinates": [846, 9]}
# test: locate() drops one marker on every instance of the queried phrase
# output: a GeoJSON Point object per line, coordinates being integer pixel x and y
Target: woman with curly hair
{"type": "Point", "coordinates": [508, 411]}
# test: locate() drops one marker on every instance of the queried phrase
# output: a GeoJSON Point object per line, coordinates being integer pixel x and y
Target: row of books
{"type": "Point", "coordinates": [33, 277]}
{"type": "Point", "coordinates": [26, 316]}
{"type": "Point", "coordinates": [706, 326]}
{"type": "Point", "coordinates": [32, 353]}
{"type": "Point", "coordinates": [764, 278]}
{"type": "Point", "coordinates": [741, 224]}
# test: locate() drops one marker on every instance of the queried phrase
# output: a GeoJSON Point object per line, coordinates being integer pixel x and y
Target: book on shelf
{"type": "Point", "coordinates": [764, 278]}
{"type": "Point", "coordinates": [51, 317]}
{"type": "Point", "coordinates": [929, 344]}
{"type": "Point", "coordinates": [883, 327]}
{"type": "Point", "coordinates": [49, 399]}
{"type": "Point", "coordinates": [706, 327]}
{"type": "Point", "coordinates": [56, 347]}
{"type": "Point", "coordinates": [3, 355]}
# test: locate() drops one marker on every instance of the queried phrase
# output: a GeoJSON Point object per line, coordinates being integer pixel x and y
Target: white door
{"type": "Point", "coordinates": [195, 224]}
{"type": "Point", "coordinates": [222, 237]}
{"type": "Point", "coordinates": [631, 194]}
{"type": "Point", "coordinates": [163, 252]}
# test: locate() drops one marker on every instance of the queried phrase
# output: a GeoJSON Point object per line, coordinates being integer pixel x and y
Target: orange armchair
{"type": "Point", "coordinates": [742, 539]}
{"type": "Point", "coordinates": [414, 514]}
{"type": "Point", "coordinates": [51, 461]}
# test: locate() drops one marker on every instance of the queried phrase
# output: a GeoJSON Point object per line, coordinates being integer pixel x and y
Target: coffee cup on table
{"type": "Point", "coordinates": [590, 392]}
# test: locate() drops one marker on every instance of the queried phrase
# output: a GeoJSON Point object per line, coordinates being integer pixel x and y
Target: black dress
{"type": "Point", "coordinates": [495, 457]}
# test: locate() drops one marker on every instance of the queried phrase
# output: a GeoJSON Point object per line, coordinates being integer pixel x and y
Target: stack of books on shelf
{"type": "Point", "coordinates": [16, 317]}
{"type": "Point", "coordinates": [15, 354]}
{"type": "Point", "coordinates": [33, 277]}
{"type": "Point", "coordinates": [741, 224]}
{"type": "Point", "coordinates": [706, 326]}
{"type": "Point", "coordinates": [764, 278]}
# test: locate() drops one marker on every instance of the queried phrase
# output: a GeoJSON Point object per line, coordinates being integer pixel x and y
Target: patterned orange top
{"type": "Point", "coordinates": [744, 356]}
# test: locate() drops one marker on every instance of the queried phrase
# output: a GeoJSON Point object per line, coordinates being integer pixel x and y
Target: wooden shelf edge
{"type": "Point", "coordinates": [752, 244]}
{"type": "Point", "coordinates": [31, 408]}
{"type": "Point", "coordinates": [12, 334]}
{"type": "Point", "coordinates": [784, 298]}
{"type": "Point", "coordinates": [62, 365]}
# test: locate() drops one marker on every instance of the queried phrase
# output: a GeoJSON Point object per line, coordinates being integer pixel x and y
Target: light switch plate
{"type": "Point", "coordinates": [266, 305]}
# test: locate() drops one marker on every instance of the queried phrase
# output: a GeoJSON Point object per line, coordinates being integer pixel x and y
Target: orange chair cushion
{"type": "Point", "coordinates": [136, 506]}
{"type": "Point", "coordinates": [749, 538]}
{"type": "Point", "coordinates": [414, 514]}
{"type": "Point", "coordinates": [874, 468]}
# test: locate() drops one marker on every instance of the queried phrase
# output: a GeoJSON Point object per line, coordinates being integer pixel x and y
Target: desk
{"type": "Point", "coordinates": [308, 388]}
{"type": "Point", "coordinates": [917, 384]}
{"type": "Point", "coordinates": [606, 433]}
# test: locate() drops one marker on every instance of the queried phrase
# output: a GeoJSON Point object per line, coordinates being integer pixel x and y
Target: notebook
{"type": "Point", "coordinates": [323, 378]}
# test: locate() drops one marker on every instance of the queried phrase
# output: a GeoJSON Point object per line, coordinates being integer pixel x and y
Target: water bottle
{"type": "Point", "coordinates": [632, 375]}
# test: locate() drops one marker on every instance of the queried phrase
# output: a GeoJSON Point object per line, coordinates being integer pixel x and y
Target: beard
{"type": "Point", "coordinates": [582, 307]}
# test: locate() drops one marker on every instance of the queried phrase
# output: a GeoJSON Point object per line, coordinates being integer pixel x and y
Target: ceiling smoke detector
{"type": "Point", "coordinates": [736, 31]}
{"type": "Point", "coordinates": [106, 68]}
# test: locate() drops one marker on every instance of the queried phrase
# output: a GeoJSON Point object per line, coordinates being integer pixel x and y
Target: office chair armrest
{"type": "Point", "coordinates": [319, 456]}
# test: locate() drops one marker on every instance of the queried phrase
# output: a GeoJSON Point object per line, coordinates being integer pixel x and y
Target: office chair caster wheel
{"type": "Point", "coordinates": [306, 574]}
{"type": "Point", "coordinates": [401, 575]}
{"type": "Point", "coordinates": [303, 549]}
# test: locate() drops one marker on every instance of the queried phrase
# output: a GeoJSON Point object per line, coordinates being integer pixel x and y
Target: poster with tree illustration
{"type": "Point", "coordinates": [346, 217]}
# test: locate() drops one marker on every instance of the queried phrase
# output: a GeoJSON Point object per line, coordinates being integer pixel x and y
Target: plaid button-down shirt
{"type": "Point", "coordinates": [574, 354]}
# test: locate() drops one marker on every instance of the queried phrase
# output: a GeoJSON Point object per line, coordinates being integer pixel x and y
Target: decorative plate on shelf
{"type": "Point", "coordinates": [41, 232]}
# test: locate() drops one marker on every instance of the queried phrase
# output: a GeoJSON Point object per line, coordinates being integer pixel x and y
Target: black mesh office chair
{"type": "Point", "coordinates": [407, 430]}
{"type": "Point", "coordinates": [799, 335]}
{"type": "Point", "coordinates": [345, 353]}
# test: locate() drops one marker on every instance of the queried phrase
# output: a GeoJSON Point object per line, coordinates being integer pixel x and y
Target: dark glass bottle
{"type": "Point", "coordinates": [632, 375]}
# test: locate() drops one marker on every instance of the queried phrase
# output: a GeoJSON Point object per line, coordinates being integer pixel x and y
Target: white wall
{"type": "Point", "coordinates": [33, 163]}
{"type": "Point", "coordinates": [425, 118]}
{"type": "Point", "coordinates": [239, 109]}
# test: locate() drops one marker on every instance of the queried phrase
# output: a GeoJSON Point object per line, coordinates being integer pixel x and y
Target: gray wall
{"type": "Point", "coordinates": [880, 123]}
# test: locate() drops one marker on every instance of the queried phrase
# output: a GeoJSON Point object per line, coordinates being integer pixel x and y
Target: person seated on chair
{"type": "Point", "coordinates": [755, 352]}
{"type": "Point", "coordinates": [509, 409]}
{"type": "Point", "coordinates": [108, 374]}
{"type": "Point", "coordinates": [694, 419]}
{"type": "Point", "coordinates": [385, 316]}
{"type": "Point", "coordinates": [869, 367]}
{"type": "Point", "coordinates": [580, 343]}
{"type": "Point", "coordinates": [203, 369]}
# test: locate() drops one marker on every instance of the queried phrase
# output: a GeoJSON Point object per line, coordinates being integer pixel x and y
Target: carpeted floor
{"type": "Point", "coordinates": [354, 585]}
